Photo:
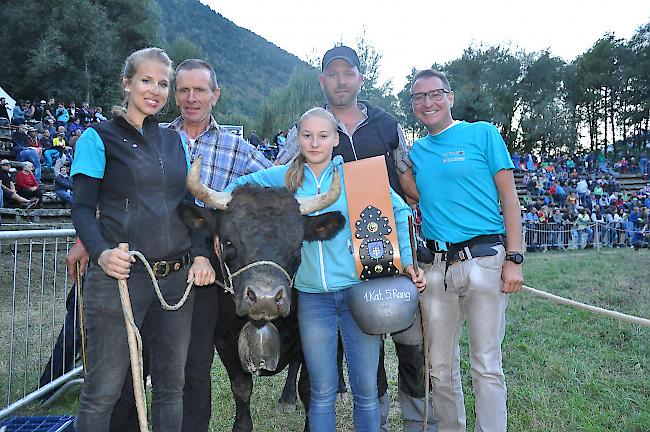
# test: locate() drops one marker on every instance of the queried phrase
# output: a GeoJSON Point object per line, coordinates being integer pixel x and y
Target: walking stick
{"type": "Point", "coordinates": [82, 329]}
{"type": "Point", "coordinates": [425, 339]}
{"type": "Point", "coordinates": [135, 350]}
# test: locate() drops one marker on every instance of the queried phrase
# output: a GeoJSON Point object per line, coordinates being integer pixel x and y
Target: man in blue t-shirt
{"type": "Point", "coordinates": [462, 171]}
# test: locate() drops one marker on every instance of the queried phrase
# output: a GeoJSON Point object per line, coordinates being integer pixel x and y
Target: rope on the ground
{"type": "Point", "coordinates": [601, 311]}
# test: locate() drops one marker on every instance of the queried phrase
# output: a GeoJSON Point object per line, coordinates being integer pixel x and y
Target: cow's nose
{"type": "Point", "coordinates": [269, 303]}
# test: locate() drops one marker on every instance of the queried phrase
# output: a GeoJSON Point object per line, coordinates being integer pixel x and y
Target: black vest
{"type": "Point", "coordinates": [142, 188]}
{"type": "Point", "coordinates": [376, 136]}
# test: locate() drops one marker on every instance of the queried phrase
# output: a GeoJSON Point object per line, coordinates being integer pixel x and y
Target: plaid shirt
{"type": "Point", "coordinates": [292, 148]}
{"type": "Point", "coordinates": [226, 156]}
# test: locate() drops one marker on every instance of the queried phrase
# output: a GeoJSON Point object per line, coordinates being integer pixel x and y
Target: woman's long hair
{"type": "Point", "coordinates": [130, 68]}
{"type": "Point", "coordinates": [296, 172]}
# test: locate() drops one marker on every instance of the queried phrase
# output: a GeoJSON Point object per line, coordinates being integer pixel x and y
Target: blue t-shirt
{"type": "Point", "coordinates": [454, 173]}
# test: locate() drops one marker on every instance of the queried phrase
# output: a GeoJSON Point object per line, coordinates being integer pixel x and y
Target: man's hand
{"type": "Point", "coordinates": [417, 278]}
{"type": "Point", "coordinates": [512, 277]}
{"type": "Point", "coordinates": [201, 272]}
{"type": "Point", "coordinates": [116, 263]}
{"type": "Point", "coordinates": [76, 255]}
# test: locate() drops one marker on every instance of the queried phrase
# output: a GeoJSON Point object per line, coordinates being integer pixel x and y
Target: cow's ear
{"type": "Point", "coordinates": [324, 226]}
{"type": "Point", "coordinates": [197, 217]}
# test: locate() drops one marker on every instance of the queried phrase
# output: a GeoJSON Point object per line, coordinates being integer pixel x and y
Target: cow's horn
{"type": "Point", "coordinates": [323, 200]}
{"type": "Point", "coordinates": [217, 200]}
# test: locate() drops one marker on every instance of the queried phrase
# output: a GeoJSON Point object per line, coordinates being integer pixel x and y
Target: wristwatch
{"type": "Point", "coordinates": [515, 257]}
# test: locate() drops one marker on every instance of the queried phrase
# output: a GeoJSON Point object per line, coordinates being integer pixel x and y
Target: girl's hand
{"type": "Point", "coordinates": [417, 278]}
{"type": "Point", "coordinates": [116, 263]}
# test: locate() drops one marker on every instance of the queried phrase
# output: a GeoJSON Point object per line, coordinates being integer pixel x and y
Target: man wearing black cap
{"type": "Point", "coordinates": [366, 131]}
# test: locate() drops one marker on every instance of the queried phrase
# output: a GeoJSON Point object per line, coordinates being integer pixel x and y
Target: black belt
{"type": "Point", "coordinates": [478, 246]}
{"type": "Point", "coordinates": [162, 267]}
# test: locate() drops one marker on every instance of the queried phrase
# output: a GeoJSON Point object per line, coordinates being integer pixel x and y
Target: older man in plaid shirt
{"type": "Point", "coordinates": [225, 156]}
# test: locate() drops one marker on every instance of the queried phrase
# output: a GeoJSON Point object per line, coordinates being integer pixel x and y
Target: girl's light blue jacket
{"type": "Point", "coordinates": [328, 266]}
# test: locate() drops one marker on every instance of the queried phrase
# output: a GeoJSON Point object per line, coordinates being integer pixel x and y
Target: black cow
{"type": "Point", "coordinates": [258, 233]}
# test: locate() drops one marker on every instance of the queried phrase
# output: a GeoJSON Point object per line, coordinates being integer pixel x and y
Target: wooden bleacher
{"type": "Point", "coordinates": [630, 183]}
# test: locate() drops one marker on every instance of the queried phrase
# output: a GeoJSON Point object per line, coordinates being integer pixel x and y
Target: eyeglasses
{"type": "Point", "coordinates": [435, 95]}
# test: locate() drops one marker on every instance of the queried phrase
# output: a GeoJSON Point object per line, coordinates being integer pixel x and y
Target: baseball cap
{"type": "Point", "coordinates": [341, 52]}
{"type": "Point", "coordinates": [5, 162]}
{"type": "Point", "coordinates": [61, 133]}
{"type": "Point", "coordinates": [43, 101]}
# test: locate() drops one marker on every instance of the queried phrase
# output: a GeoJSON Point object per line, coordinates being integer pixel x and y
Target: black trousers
{"type": "Point", "coordinates": [410, 370]}
{"type": "Point", "coordinates": [197, 392]}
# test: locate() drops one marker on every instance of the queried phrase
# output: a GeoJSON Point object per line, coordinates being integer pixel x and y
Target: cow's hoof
{"type": "Point", "coordinates": [285, 407]}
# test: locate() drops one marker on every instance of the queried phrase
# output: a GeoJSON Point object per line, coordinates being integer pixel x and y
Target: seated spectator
{"type": "Point", "coordinates": [4, 113]}
{"type": "Point", "coordinates": [26, 184]}
{"type": "Point", "coordinates": [531, 216]}
{"type": "Point", "coordinates": [23, 152]}
{"type": "Point", "coordinates": [18, 115]}
{"type": "Point", "coordinates": [582, 226]}
{"type": "Point", "coordinates": [572, 201]}
{"type": "Point", "coordinates": [86, 114]}
{"type": "Point", "coordinates": [73, 111]}
{"type": "Point", "coordinates": [63, 185]}
{"type": "Point", "coordinates": [62, 115]}
{"type": "Point", "coordinates": [48, 125]}
{"type": "Point", "coordinates": [53, 151]}
{"type": "Point", "coordinates": [10, 196]}
{"type": "Point", "coordinates": [99, 116]}
{"type": "Point", "coordinates": [45, 139]}
{"type": "Point", "coordinates": [75, 126]}
{"type": "Point", "coordinates": [33, 142]}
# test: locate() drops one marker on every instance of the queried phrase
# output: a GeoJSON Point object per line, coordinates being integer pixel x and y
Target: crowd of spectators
{"type": "Point", "coordinates": [578, 202]}
{"type": "Point", "coordinates": [43, 136]}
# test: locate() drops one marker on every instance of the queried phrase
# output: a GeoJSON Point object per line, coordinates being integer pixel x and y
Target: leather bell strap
{"type": "Point", "coordinates": [372, 222]}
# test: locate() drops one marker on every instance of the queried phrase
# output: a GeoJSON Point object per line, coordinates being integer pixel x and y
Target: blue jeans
{"type": "Point", "coordinates": [64, 196]}
{"type": "Point", "coordinates": [30, 155]}
{"type": "Point", "coordinates": [320, 317]}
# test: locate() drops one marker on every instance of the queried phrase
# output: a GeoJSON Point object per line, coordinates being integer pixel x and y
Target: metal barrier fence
{"type": "Point", "coordinates": [36, 357]}
{"type": "Point", "coordinates": [566, 235]}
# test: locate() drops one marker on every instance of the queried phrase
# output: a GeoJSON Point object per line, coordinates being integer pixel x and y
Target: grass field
{"type": "Point", "coordinates": [566, 369]}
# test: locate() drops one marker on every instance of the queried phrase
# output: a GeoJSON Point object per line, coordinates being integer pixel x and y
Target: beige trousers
{"type": "Point", "coordinates": [473, 295]}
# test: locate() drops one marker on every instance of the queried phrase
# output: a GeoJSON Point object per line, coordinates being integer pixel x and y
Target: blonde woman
{"type": "Point", "coordinates": [134, 172]}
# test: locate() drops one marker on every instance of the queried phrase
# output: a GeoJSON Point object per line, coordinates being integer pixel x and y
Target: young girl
{"type": "Point", "coordinates": [326, 274]}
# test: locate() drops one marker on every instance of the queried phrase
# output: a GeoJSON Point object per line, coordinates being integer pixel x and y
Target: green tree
{"type": "Point", "coordinates": [636, 76]}
{"type": "Point", "coordinates": [283, 107]}
{"type": "Point", "coordinates": [544, 117]}
{"type": "Point", "coordinates": [379, 94]}
{"type": "Point", "coordinates": [404, 113]}
{"type": "Point", "coordinates": [483, 80]}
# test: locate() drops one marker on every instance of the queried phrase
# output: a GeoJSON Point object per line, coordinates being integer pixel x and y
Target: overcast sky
{"type": "Point", "coordinates": [413, 33]}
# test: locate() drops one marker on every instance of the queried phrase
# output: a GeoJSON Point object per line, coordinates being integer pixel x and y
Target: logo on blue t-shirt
{"type": "Point", "coordinates": [453, 156]}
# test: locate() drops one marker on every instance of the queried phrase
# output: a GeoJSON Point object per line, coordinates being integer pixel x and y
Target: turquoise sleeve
{"type": "Point", "coordinates": [270, 177]}
{"type": "Point", "coordinates": [89, 155]}
{"type": "Point", "coordinates": [497, 152]}
{"type": "Point", "coordinates": [402, 211]}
